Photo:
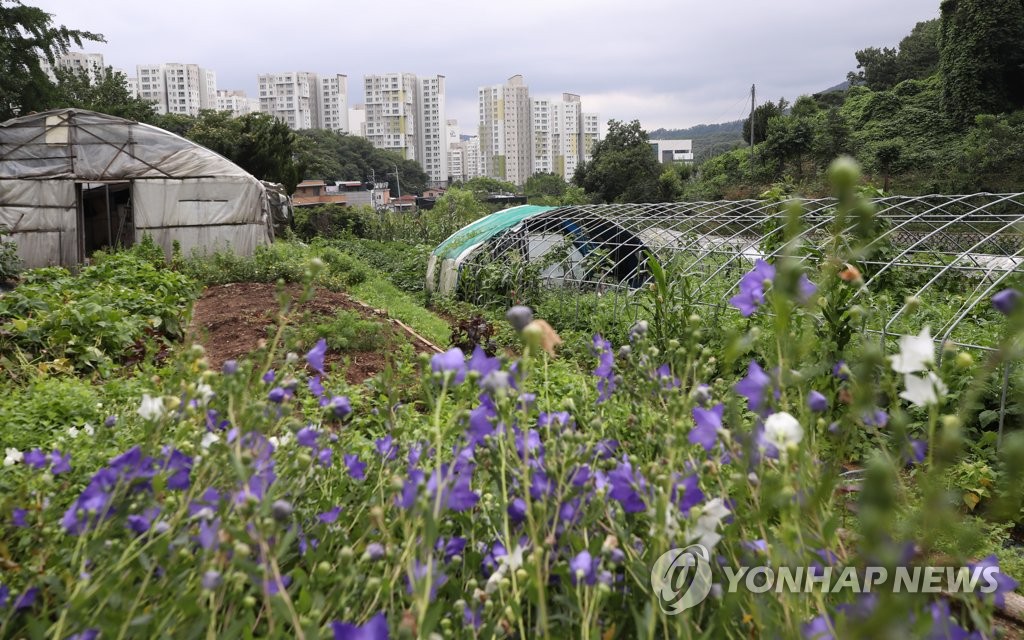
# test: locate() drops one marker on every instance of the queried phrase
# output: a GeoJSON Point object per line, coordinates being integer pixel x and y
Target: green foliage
{"type": "Point", "coordinates": [10, 263]}
{"type": "Point", "coordinates": [46, 406]}
{"type": "Point", "coordinates": [108, 314]}
{"type": "Point", "coordinates": [217, 491]}
{"type": "Point", "coordinates": [333, 156]}
{"type": "Point", "coordinates": [981, 60]}
{"type": "Point", "coordinates": [761, 116]}
{"type": "Point", "coordinates": [919, 52]}
{"type": "Point", "coordinates": [623, 167]}
{"type": "Point", "coordinates": [330, 221]}
{"type": "Point", "coordinates": [28, 36]}
{"type": "Point", "coordinates": [402, 263]}
{"type": "Point", "coordinates": [105, 92]}
{"type": "Point", "coordinates": [282, 260]}
{"type": "Point", "coordinates": [345, 331]}
{"type": "Point", "coordinates": [452, 211]}
{"type": "Point", "coordinates": [257, 142]}
{"type": "Point", "coordinates": [483, 186]}
{"type": "Point", "coordinates": [993, 153]}
{"type": "Point", "coordinates": [878, 68]}
{"type": "Point", "coordinates": [545, 184]}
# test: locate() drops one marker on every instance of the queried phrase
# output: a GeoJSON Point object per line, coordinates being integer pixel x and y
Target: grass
{"type": "Point", "coordinates": [379, 293]}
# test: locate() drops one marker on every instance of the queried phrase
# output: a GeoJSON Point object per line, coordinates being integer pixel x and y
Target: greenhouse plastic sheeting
{"type": "Point", "coordinates": [178, 190]}
{"type": "Point", "coordinates": [484, 228]}
{"type": "Point", "coordinates": [443, 266]}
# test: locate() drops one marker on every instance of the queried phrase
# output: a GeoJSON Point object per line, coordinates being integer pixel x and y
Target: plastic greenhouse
{"type": "Point", "coordinates": [73, 181]}
{"type": "Point", "coordinates": [950, 252]}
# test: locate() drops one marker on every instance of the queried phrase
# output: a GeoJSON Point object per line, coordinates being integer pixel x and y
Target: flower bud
{"type": "Point", "coordinates": [844, 173]}
{"type": "Point", "coordinates": [519, 317]}
{"type": "Point", "coordinates": [281, 510]}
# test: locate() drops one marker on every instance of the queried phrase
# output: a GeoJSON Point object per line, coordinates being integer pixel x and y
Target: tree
{"type": "Point", "coordinates": [27, 36]}
{"type": "Point", "coordinates": [105, 92]}
{"type": "Point", "coordinates": [762, 115]}
{"type": "Point", "coordinates": [878, 68]}
{"type": "Point", "coordinates": [334, 156]}
{"type": "Point", "coordinates": [919, 52]}
{"type": "Point", "coordinates": [789, 139]}
{"type": "Point", "coordinates": [980, 57]}
{"type": "Point", "coordinates": [623, 167]}
{"type": "Point", "coordinates": [483, 186]}
{"type": "Point", "coordinates": [831, 137]}
{"type": "Point", "coordinates": [544, 184]}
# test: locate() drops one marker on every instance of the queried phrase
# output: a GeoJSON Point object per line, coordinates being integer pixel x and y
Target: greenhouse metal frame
{"type": "Point", "coordinates": [962, 248]}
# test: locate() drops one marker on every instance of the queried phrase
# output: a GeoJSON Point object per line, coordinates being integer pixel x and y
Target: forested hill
{"type": "Point", "coordinates": [708, 139]}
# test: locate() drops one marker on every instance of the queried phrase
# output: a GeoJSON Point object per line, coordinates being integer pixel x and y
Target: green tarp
{"type": "Point", "coordinates": [484, 228]}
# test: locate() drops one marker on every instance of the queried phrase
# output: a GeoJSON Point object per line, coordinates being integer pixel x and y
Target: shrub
{"type": "Point", "coordinates": [10, 263]}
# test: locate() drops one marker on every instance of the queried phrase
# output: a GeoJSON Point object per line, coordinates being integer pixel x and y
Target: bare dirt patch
{"type": "Point", "coordinates": [231, 321]}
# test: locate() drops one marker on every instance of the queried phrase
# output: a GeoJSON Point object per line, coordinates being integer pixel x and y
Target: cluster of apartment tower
{"type": "Point", "coordinates": [518, 135]}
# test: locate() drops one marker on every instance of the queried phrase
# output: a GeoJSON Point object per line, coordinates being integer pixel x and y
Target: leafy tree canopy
{"type": "Point", "coordinates": [483, 186]}
{"type": "Point", "coordinates": [105, 92]}
{"type": "Point", "coordinates": [28, 36]}
{"type": "Point", "coordinates": [761, 116]}
{"type": "Point", "coordinates": [257, 142]}
{"type": "Point", "coordinates": [980, 57]}
{"type": "Point", "coordinates": [334, 156]}
{"type": "Point", "coordinates": [623, 167]}
{"type": "Point", "coordinates": [545, 184]}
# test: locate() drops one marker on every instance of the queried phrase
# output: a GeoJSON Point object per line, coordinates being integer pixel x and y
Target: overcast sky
{"type": "Point", "coordinates": [668, 63]}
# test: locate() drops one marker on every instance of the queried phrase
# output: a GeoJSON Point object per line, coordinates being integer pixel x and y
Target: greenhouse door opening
{"type": "Point", "coordinates": [105, 216]}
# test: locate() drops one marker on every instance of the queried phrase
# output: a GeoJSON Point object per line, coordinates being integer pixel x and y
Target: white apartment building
{"type": "Point", "coordinates": [406, 114]}
{"type": "Point", "coordinates": [591, 134]}
{"type": "Point", "coordinates": [555, 136]}
{"type": "Point", "coordinates": [292, 97]}
{"type": "Point", "coordinates": [357, 120]}
{"type": "Point", "coordinates": [234, 101]}
{"type": "Point", "coordinates": [391, 112]}
{"type": "Point", "coordinates": [456, 162]}
{"type": "Point", "coordinates": [177, 88]}
{"type": "Point", "coordinates": [79, 61]}
{"type": "Point", "coordinates": [567, 135]}
{"type": "Point", "coordinates": [334, 103]}
{"type": "Point", "coordinates": [464, 159]}
{"type": "Point", "coordinates": [540, 137]}
{"type": "Point", "coordinates": [433, 133]}
{"type": "Point", "coordinates": [505, 131]}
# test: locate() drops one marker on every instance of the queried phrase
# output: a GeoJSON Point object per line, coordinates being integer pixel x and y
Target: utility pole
{"type": "Point", "coordinates": [753, 97]}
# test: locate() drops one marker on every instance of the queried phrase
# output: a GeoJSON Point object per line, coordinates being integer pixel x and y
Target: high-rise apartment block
{"type": "Point", "coordinates": [464, 159]}
{"type": "Point", "coordinates": [520, 136]}
{"type": "Point", "coordinates": [406, 114]}
{"type": "Point", "coordinates": [334, 103]}
{"type": "Point", "coordinates": [391, 112]}
{"type": "Point", "coordinates": [234, 101]}
{"type": "Point", "coordinates": [505, 130]}
{"type": "Point", "coordinates": [178, 88]}
{"type": "Point", "coordinates": [304, 100]}
{"type": "Point", "coordinates": [292, 97]}
{"type": "Point", "coordinates": [78, 61]}
{"type": "Point", "coordinates": [433, 138]}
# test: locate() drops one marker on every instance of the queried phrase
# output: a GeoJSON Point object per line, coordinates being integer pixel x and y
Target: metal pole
{"type": "Point", "coordinates": [110, 231]}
